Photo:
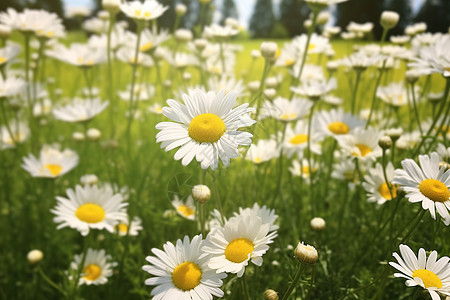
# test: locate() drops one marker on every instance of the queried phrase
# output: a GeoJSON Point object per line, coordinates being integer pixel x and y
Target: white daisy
{"type": "Point", "coordinates": [19, 131]}
{"type": "Point", "coordinates": [181, 272]}
{"type": "Point", "coordinates": [96, 269]}
{"type": "Point", "coordinates": [262, 151]}
{"type": "Point", "coordinates": [206, 128]}
{"type": "Point", "coordinates": [303, 169]}
{"type": "Point", "coordinates": [242, 239]}
{"type": "Point", "coordinates": [10, 86]}
{"type": "Point", "coordinates": [80, 110]}
{"type": "Point", "coordinates": [296, 140]}
{"type": "Point", "coordinates": [376, 187]}
{"type": "Point", "coordinates": [148, 10]}
{"type": "Point", "coordinates": [186, 209]}
{"type": "Point", "coordinates": [284, 110]}
{"type": "Point", "coordinates": [51, 163]}
{"type": "Point", "coordinates": [428, 184]}
{"type": "Point", "coordinates": [267, 215]}
{"type": "Point", "coordinates": [79, 55]}
{"type": "Point", "coordinates": [434, 58]}
{"type": "Point", "coordinates": [444, 152]}
{"type": "Point", "coordinates": [9, 53]}
{"type": "Point", "coordinates": [90, 207]}
{"type": "Point", "coordinates": [133, 229]}
{"type": "Point", "coordinates": [432, 275]}
{"type": "Point", "coordinates": [313, 89]}
{"type": "Point", "coordinates": [362, 143]}
{"type": "Point", "coordinates": [394, 94]}
{"type": "Point", "coordinates": [335, 123]}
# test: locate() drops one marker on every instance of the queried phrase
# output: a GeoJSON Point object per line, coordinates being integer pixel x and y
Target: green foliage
{"type": "Point", "coordinates": [262, 20]}
{"type": "Point", "coordinates": [292, 15]}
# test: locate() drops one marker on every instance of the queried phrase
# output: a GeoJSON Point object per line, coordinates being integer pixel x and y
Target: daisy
{"type": "Point", "coordinates": [242, 239]}
{"type": "Point", "coordinates": [96, 269]}
{"type": "Point", "coordinates": [376, 187]}
{"type": "Point", "coordinates": [90, 207]}
{"type": "Point", "coordinates": [10, 86]}
{"type": "Point", "coordinates": [428, 184]}
{"type": "Point", "coordinates": [267, 215]}
{"type": "Point", "coordinates": [362, 143]}
{"type": "Point", "coordinates": [434, 58]}
{"type": "Point", "coordinates": [206, 127]}
{"type": "Point", "coordinates": [155, 108]}
{"type": "Point", "coordinates": [8, 53]}
{"type": "Point", "coordinates": [444, 152]}
{"type": "Point", "coordinates": [408, 140]}
{"type": "Point", "coordinates": [220, 32]}
{"type": "Point", "coordinates": [284, 110]}
{"type": "Point", "coordinates": [314, 89]}
{"type": "Point", "coordinates": [148, 10]}
{"type": "Point", "coordinates": [79, 55]}
{"type": "Point", "coordinates": [394, 94]}
{"type": "Point", "coordinates": [303, 169]}
{"type": "Point", "coordinates": [150, 39]}
{"type": "Point", "coordinates": [181, 272]}
{"type": "Point", "coordinates": [185, 209]}
{"type": "Point", "coordinates": [19, 131]}
{"type": "Point", "coordinates": [296, 140]}
{"type": "Point", "coordinates": [335, 123]}
{"type": "Point", "coordinates": [432, 275]}
{"type": "Point", "coordinates": [143, 92]}
{"type": "Point", "coordinates": [127, 55]}
{"type": "Point", "coordinates": [51, 163]}
{"type": "Point", "coordinates": [124, 228]}
{"type": "Point", "coordinates": [262, 151]}
{"type": "Point", "coordinates": [80, 110]}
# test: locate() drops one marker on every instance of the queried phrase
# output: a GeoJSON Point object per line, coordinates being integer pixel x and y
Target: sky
{"type": "Point", "coordinates": [245, 7]}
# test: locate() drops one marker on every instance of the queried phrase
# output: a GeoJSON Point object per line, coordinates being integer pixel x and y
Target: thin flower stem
{"type": "Point", "coordinates": [5, 117]}
{"type": "Point", "coordinates": [219, 203]}
{"type": "Point", "coordinates": [416, 112]}
{"type": "Point", "coordinates": [383, 36]}
{"type": "Point", "coordinates": [301, 268]}
{"type": "Point", "coordinates": [110, 84]}
{"type": "Point", "coordinates": [261, 87]}
{"type": "Point", "coordinates": [50, 282]}
{"type": "Point", "coordinates": [245, 287]}
{"type": "Point", "coordinates": [355, 90]}
{"type": "Point", "coordinates": [280, 168]}
{"type": "Point", "coordinates": [88, 83]}
{"type": "Point", "coordinates": [414, 226]}
{"type": "Point", "coordinates": [310, 169]}
{"type": "Point", "coordinates": [374, 95]}
{"type": "Point", "coordinates": [383, 164]}
{"type": "Point", "coordinates": [79, 270]}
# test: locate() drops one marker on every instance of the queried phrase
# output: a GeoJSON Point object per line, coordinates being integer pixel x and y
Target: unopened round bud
{"type": "Point", "coordinates": [306, 254]}
{"type": "Point", "coordinates": [183, 35]}
{"type": "Point", "coordinates": [255, 54]}
{"type": "Point", "coordinates": [270, 93]}
{"type": "Point", "coordinates": [323, 18]}
{"type": "Point", "coordinates": [332, 66]}
{"type": "Point", "coordinates": [78, 136]}
{"type": "Point", "coordinates": [187, 76]}
{"type": "Point", "coordinates": [103, 14]}
{"type": "Point", "coordinates": [317, 224]}
{"type": "Point", "coordinates": [307, 24]}
{"type": "Point", "coordinates": [5, 31]}
{"type": "Point", "coordinates": [435, 97]}
{"type": "Point", "coordinates": [272, 82]}
{"type": "Point", "coordinates": [89, 179]}
{"type": "Point", "coordinates": [394, 133]}
{"type": "Point", "coordinates": [413, 75]}
{"type": "Point", "coordinates": [200, 44]}
{"type": "Point", "coordinates": [385, 142]}
{"type": "Point", "coordinates": [270, 295]}
{"type": "Point", "coordinates": [253, 86]}
{"type": "Point", "coordinates": [180, 9]}
{"type": "Point", "coordinates": [389, 19]}
{"type": "Point", "coordinates": [35, 256]}
{"type": "Point", "coordinates": [112, 6]}
{"type": "Point", "coordinates": [167, 83]}
{"type": "Point", "coordinates": [93, 134]}
{"type": "Point", "coordinates": [110, 144]}
{"type": "Point", "coordinates": [201, 193]}
{"type": "Point", "coordinates": [268, 49]}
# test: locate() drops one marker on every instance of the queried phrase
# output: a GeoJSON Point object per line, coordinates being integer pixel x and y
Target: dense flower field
{"type": "Point", "coordinates": [194, 165]}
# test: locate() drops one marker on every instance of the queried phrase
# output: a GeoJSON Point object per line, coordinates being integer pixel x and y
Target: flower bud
{"type": "Point", "coordinates": [200, 44]}
{"type": "Point", "coordinates": [268, 49]}
{"type": "Point", "coordinates": [180, 9]}
{"type": "Point", "coordinates": [394, 133]}
{"type": "Point", "coordinates": [255, 54]}
{"type": "Point", "coordinates": [35, 256]}
{"type": "Point", "coordinates": [201, 193]}
{"type": "Point", "coordinates": [306, 254]}
{"type": "Point", "coordinates": [385, 142]}
{"type": "Point", "coordinates": [270, 295]}
{"type": "Point", "coordinates": [253, 86]}
{"type": "Point", "coordinates": [270, 93]}
{"type": "Point", "coordinates": [389, 19]}
{"type": "Point", "coordinates": [317, 224]}
{"type": "Point", "coordinates": [323, 18]}
{"type": "Point", "coordinates": [93, 134]}
{"type": "Point", "coordinates": [183, 35]}
{"type": "Point", "coordinates": [89, 179]}
{"type": "Point", "coordinates": [112, 6]}
{"type": "Point", "coordinates": [78, 136]}
{"type": "Point", "coordinates": [5, 31]}
{"type": "Point", "coordinates": [103, 14]}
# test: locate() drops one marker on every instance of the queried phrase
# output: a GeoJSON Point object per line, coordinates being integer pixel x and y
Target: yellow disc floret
{"type": "Point", "coordinates": [238, 250]}
{"type": "Point", "coordinates": [339, 128]}
{"type": "Point", "coordinates": [434, 190]}
{"type": "Point", "coordinates": [299, 139]}
{"type": "Point", "coordinates": [92, 272]}
{"type": "Point", "coordinates": [186, 276]}
{"type": "Point", "coordinates": [363, 150]}
{"type": "Point", "coordinates": [384, 191]}
{"type": "Point", "coordinates": [90, 213]}
{"type": "Point", "coordinates": [429, 279]}
{"type": "Point", "coordinates": [54, 169]}
{"type": "Point", "coordinates": [185, 210]}
{"type": "Point", "coordinates": [206, 128]}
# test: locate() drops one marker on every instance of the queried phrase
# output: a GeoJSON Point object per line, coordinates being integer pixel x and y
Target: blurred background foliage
{"type": "Point", "coordinates": [282, 18]}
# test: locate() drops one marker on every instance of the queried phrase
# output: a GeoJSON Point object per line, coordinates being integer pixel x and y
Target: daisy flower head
{"type": "Point", "coordinates": [296, 140]}
{"type": "Point", "coordinates": [314, 89]}
{"type": "Point", "coordinates": [262, 151]}
{"type": "Point", "coordinates": [377, 189]}
{"type": "Point", "coordinates": [429, 273]}
{"type": "Point", "coordinates": [318, 5]}
{"type": "Point", "coordinates": [90, 207]}
{"type": "Point", "coordinates": [186, 209]}
{"type": "Point", "coordinates": [80, 110]}
{"type": "Point", "coordinates": [302, 169]}
{"type": "Point", "coordinates": [79, 55]}
{"type": "Point", "coordinates": [434, 58]}
{"type": "Point", "coordinates": [96, 269]}
{"type": "Point", "coordinates": [9, 53]}
{"type": "Point", "coordinates": [10, 86]}
{"type": "Point", "coordinates": [19, 131]}
{"type": "Point", "coordinates": [181, 272]}
{"type": "Point", "coordinates": [149, 10]}
{"type": "Point", "coordinates": [51, 163]}
{"type": "Point", "coordinates": [284, 110]}
{"type": "Point", "coordinates": [362, 143]}
{"type": "Point", "coordinates": [124, 228]}
{"type": "Point", "coordinates": [206, 127]}
{"type": "Point", "coordinates": [242, 239]}
{"type": "Point", "coordinates": [267, 215]}
{"type": "Point", "coordinates": [428, 184]}
{"type": "Point", "coordinates": [335, 123]}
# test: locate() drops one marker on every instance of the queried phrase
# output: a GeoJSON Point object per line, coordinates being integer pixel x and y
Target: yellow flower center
{"type": "Point", "coordinates": [363, 150]}
{"type": "Point", "coordinates": [434, 190]}
{"type": "Point", "coordinates": [90, 213]}
{"type": "Point", "coordinates": [238, 250]}
{"type": "Point", "coordinates": [2, 60]}
{"type": "Point", "coordinates": [92, 272]}
{"type": "Point", "coordinates": [306, 171]}
{"type": "Point", "coordinates": [186, 276]}
{"type": "Point", "coordinates": [288, 116]}
{"type": "Point", "coordinates": [147, 46]}
{"type": "Point", "coordinates": [122, 227]}
{"type": "Point", "coordinates": [137, 12]}
{"type": "Point", "coordinates": [54, 169]}
{"type": "Point", "coordinates": [206, 128]}
{"type": "Point", "coordinates": [384, 191]}
{"type": "Point", "coordinates": [311, 47]}
{"type": "Point", "coordinates": [429, 279]}
{"type": "Point", "coordinates": [338, 128]}
{"type": "Point", "coordinates": [257, 160]}
{"type": "Point", "coordinates": [185, 210]}
{"type": "Point", "coordinates": [289, 62]}
{"type": "Point", "coordinates": [147, 14]}
{"type": "Point", "coordinates": [299, 139]}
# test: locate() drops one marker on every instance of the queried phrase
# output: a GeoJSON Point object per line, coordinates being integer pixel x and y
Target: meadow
{"type": "Point", "coordinates": [369, 210]}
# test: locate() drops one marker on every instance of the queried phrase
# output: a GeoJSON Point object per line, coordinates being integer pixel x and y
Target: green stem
{"type": "Point", "coordinates": [50, 282]}
{"type": "Point", "coordinates": [110, 84]}
{"type": "Point", "coordinates": [355, 90]}
{"type": "Point", "coordinates": [374, 95]}
{"type": "Point", "coordinates": [300, 270]}
{"type": "Point", "coordinates": [308, 147]}
{"type": "Point", "coordinates": [79, 270]}
{"type": "Point", "coordinates": [219, 202]}
{"type": "Point", "coordinates": [416, 112]}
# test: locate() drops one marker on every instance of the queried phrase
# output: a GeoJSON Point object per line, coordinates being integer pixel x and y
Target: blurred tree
{"type": "Point", "coordinates": [361, 11]}
{"type": "Point", "coordinates": [168, 18]}
{"type": "Point", "coordinates": [403, 8]}
{"type": "Point", "coordinates": [292, 15]}
{"type": "Point", "coordinates": [229, 10]}
{"type": "Point", "coordinates": [262, 20]}
{"type": "Point", "coordinates": [436, 13]}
